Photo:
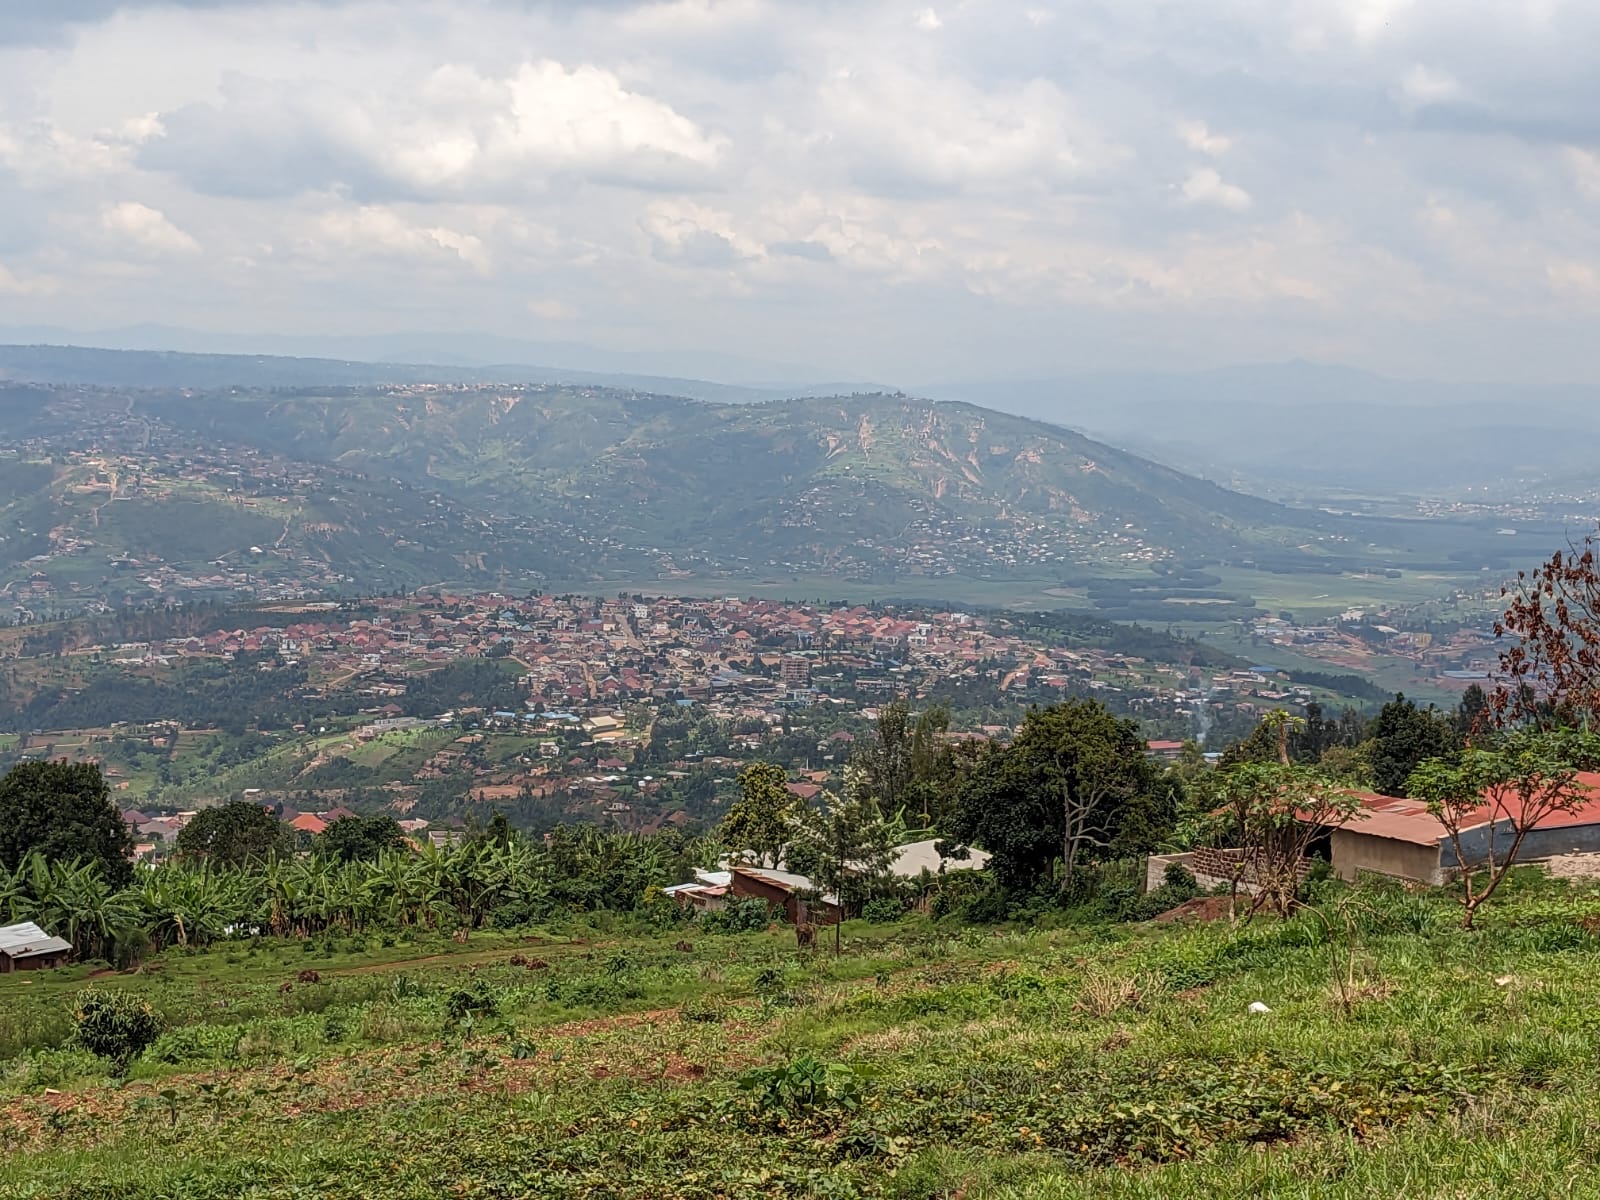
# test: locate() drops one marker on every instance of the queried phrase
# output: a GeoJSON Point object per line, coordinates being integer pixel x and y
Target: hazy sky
{"type": "Point", "coordinates": [870, 189]}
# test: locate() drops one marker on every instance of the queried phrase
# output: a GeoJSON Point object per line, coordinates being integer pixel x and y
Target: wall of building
{"type": "Point", "coordinates": [1354, 852]}
{"type": "Point", "coordinates": [795, 910]}
{"type": "Point", "coordinates": [1211, 869]}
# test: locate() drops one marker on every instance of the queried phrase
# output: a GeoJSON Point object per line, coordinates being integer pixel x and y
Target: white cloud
{"type": "Point", "coordinates": [1205, 186]}
{"type": "Point", "coordinates": [890, 129]}
{"type": "Point", "coordinates": [854, 184]}
{"type": "Point", "coordinates": [457, 132]}
{"type": "Point", "coordinates": [384, 232]}
{"type": "Point", "coordinates": [1584, 167]}
{"type": "Point", "coordinates": [140, 227]}
{"type": "Point", "coordinates": [1199, 138]}
{"type": "Point", "coordinates": [551, 309]}
{"type": "Point", "coordinates": [14, 285]}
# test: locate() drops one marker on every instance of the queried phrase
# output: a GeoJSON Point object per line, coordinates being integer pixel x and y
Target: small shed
{"type": "Point", "coordinates": [26, 947]}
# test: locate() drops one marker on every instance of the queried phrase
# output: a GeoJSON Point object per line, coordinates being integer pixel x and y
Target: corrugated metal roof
{"type": "Point", "coordinates": [788, 881]}
{"type": "Point", "coordinates": [911, 859]}
{"type": "Point", "coordinates": [27, 939]}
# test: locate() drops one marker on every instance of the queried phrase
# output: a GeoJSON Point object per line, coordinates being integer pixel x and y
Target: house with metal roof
{"type": "Point", "coordinates": [26, 947]}
{"type": "Point", "coordinates": [1390, 835]}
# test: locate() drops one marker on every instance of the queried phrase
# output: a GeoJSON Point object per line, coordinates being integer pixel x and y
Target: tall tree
{"type": "Point", "coordinates": [1075, 780]}
{"type": "Point", "coordinates": [361, 839]}
{"type": "Point", "coordinates": [63, 811]}
{"type": "Point", "coordinates": [1403, 736]}
{"type": "Point", "coordinates": [234, 834]}
{"type": "Point", "coordinates": [887, 761]}
{"type": "Point", "coordinates": [760, 822]}
{"type": "Point", "coordinates": [845, 846]}
{"type": "Point", "coordinates": [1474, 716]}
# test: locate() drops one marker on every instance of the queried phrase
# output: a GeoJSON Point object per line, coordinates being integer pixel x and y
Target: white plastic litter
{"type": "Point", "coordinates": [1257, 1007]}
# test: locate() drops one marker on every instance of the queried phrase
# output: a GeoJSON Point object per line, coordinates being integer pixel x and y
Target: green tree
{"type": "Point", "coordinates": [359, 839]}
{"type": "Point", "coordinates": [887, 762]}
{"type": "Point", "coordinates": [233, 835]}
{"type": "Point", "coordinates": [845, 847]}
{"type": "Point", "coordinates": [760, 822]}
{"type": "Point", "coordinates": [64, 812]}
{"type": "Point", "coordinates": [1271, 812]}
{"type": "Point", "coordinates": [1404, 736]}
{"type": "Point", "coordinates": [1474, 716]}
{"type": "Point", "coordinates": [115, 1025]}
{"type": "Point", "coordinates": [1075, 780]}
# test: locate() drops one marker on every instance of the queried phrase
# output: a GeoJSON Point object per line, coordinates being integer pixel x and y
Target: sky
{"type": "Point", "coordinates": [866, 189]}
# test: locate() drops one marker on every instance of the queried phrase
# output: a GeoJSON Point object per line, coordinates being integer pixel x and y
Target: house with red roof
{"type": "Point", "coordinates": [1391, 835]}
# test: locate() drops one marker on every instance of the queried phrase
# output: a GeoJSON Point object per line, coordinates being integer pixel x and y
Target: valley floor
{"type": "Point", "coordinates": [1401, 1057]}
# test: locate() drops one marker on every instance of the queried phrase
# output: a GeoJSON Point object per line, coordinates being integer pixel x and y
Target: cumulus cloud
{"type": "Point", "coordinates": [1198, 137]}
{"type": "Point", "coordinates": [145, 229]}
{"type": "Point", "coordinates": [1205, 186]}
{"type": "Point", "coordinates": [891, 129]}
{"type": "Point", "coordinates": [384, 232]}
{"type": "Point", "coordinates": [459, 132]}
{"type": "Point", "coordinates": [861, 185]}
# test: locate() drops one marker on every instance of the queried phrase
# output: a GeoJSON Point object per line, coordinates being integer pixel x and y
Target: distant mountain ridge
{"type": "Point", "coordinates": [364, 484]}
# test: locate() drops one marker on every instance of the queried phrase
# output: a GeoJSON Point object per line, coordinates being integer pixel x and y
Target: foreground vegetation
{"type": "Point", "coordinates": [1401, 1056]}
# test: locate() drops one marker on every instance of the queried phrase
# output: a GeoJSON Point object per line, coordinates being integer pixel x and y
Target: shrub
{"type": "Point", "coordinates": [883, 910]}
{"type": "Point", "coordinates": [114, 1025]}
{"type": "Point", "coordinates": [474, 1000]}
{"type": "Point", "coordinates": [804, 1084]}
{"type": "Point", "coordinates": [750, 915]}
{"type": "Point", "coordinates": [708, 1010]}
{"type": "Point", "coordinates": [130, 949]}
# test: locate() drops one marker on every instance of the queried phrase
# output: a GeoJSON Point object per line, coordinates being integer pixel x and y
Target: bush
{"type": "Point", "coordinates": [114, 1025]}
{"type": "Point", "coordinates": [130, 949]}
{"type": "Point", "coordinates": [708, 1010]}
{"type": "Point", "coordinates": [883, 910]}
{"type": "Point", "coordinates": [474, 1000]}
{"type": "Point", "coordinates": [750, 915]}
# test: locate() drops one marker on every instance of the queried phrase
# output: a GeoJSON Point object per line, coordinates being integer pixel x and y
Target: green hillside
{"type": "Point", "coordinates": [1400, 1057]}
{"type": "Point", "coordinates": [380, 486]}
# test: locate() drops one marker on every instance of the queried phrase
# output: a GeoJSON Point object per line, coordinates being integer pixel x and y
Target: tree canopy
{"type": "Point", "coordinates": [233, 835]}
{"type": "Point", "coordinates": [760, 821]}
{"type": "Point", "coordinates": [360, 839]}
{"type": "Point", "coordinates": [63, 811]}
{"type": "Point", "coordinates": [1075, 781]}
{"type": "Point", "coordinates": [1403, 736]}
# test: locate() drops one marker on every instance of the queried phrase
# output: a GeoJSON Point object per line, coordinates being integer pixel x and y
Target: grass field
{"type": "Point", "coordinates": [1401, 1057]}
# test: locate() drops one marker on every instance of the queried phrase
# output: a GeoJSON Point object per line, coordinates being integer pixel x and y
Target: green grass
{"type": "Point", "coordinates": [1070, 1062]}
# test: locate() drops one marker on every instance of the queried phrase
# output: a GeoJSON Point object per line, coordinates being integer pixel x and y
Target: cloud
{"type": "Point", "coordinates": [862, 185]}
{"type": "Point", "coordinates": [145, 229]}
{"type": "Point", "coordinates": [1197, 137]}
{"type": "Point", "coordinates": [550, 309]}
{"type": "Point", "coordinates": [383, 232]}
{"type": "Point", "coordinates": [14, 285]}
{"type": "Point", "coordinates": [694, 236]}
{"type": "Point", "coordinates": [1205, 186]}
{"type": "Point", "coordinates": [1423, 85]}
{"type": "Point", "coordinates": [456, 133]}
{"type": "Point", "coordinates": [890, 130]}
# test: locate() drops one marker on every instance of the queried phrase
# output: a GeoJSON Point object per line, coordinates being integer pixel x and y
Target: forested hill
{"type": "Point", "coordinates": [382, 486]}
